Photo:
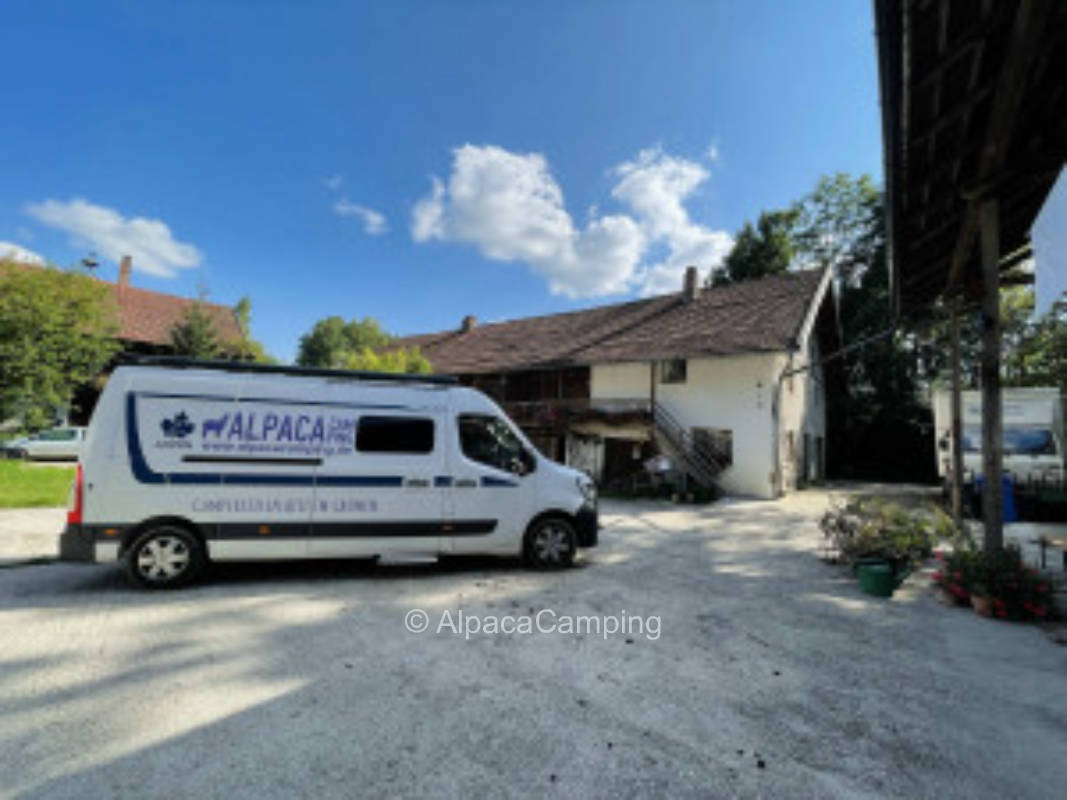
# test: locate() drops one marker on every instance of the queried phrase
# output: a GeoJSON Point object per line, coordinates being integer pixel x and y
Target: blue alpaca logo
{"type": "Point", "coordinates": [177, 428]}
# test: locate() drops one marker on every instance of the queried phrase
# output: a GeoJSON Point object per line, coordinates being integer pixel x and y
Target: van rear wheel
{"type": "Point", "coordinates": [164, 557]}
{"type": "Point", "coordinates": [550, 544]}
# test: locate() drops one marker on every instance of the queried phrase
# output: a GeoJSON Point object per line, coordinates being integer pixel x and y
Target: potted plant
{"type": "Point", "coordinates": [951, 580]}
{"type": "Point", "coordinates": [881, 541]}
{"type": "Point", "coordinates": [996, 585]}
{"type": "Point", "coordinates": [1018, 592]}
{"type": "Point", "coordinates": [981, 601]}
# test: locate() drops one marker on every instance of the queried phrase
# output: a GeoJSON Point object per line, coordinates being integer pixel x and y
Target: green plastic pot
{"type": "Point", "coordinates": [877, 579]}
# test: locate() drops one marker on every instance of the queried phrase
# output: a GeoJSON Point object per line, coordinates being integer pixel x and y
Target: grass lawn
{"type": "Point", "coordinates": [25, 485]}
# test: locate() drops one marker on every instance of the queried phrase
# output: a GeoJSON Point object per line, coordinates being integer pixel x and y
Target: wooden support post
{"type": "Point", "coordinates": [957, 423]}
{"type": "Point", "coordinates": [652, 387]}
{"type": "Point", "coordinates": [992, 428]}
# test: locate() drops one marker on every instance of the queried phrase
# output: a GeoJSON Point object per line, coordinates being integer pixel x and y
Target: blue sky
{"type": "Point", "coordinates": [421, 161]}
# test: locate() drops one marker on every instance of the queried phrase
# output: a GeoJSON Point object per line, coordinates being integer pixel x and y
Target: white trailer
{"type": "Point", "coordinates": [1033, 437]}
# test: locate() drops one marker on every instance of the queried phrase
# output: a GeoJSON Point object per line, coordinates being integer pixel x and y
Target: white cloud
{"type": "Point", "coordinates": [656, 185]}
{"type": "Point", "coordinates": [427, 218]}
{"type": "Point", "coordinates": [712, 153]}
{"type": "Point", "coordinates": [511, 208]}
{"type": "Point", "coordinates": [149, 242]}
{"type": "Point", "coordinates": [374, 222]}
{"type": "Point", "coordinates": [333, 183]}
{"type": "Point", "coordinates": [10, 251]}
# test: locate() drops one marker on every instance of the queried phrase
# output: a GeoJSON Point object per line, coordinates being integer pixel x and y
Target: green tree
{"type": "Point", "coordinates": [766, 249]}
{"type": "Point", "coordinates": [357, 344]}
{"type": "Point", "coordinates": [1033, 349]}
{"type": "Point", "coordinates": [57, 331]}
{"type": "Point", "coordinates": [248, 349]}
{"type": "Point", "coordinates": [195, 335]}
{"type": "Point", "coordinates": [840, 224]}
{"type": "Point", "coordinates": [405, 360]}
{"type": "Point", "coordinates": [1042, 356]}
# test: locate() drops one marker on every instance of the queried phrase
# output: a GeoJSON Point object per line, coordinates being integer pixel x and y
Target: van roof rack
{"type": "Point", "coordinates": [182, 362]}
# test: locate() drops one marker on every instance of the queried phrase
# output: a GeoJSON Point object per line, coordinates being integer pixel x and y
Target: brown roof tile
{"type": "Point", "coordinates": [147, 316]}
{"type": "Point", "coordinates": [764, 314]}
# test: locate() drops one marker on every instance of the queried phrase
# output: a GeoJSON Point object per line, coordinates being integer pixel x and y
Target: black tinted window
{"type": "Point", "coordinates": [1016, 441]}
{"type": "Point", "coordinates": [394, 435]}
{"type": "Point", "coordinates": [488, 440]}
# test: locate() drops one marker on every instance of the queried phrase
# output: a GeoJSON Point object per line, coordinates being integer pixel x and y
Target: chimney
{"type": "Point", "coordinates": [125, 268]}
{"type": "Point", "coordinates": [470, 322]}
{"type": "Point", "coordinates": [691, 285]}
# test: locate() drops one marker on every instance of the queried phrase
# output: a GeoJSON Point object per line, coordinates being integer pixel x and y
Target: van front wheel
{"type": "Point", "coordinates": [550, 544]}
{"type": "Point", "coordinates": [164, 558]}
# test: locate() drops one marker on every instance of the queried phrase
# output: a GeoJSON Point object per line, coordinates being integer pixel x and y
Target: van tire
{"type": "Point", "coordinates": [164, 557]}
{"type": "Point", "coordinates": [550, 543]}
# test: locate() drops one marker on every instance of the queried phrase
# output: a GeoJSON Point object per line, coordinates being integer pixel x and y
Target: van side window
{"type": "Point", "coordinates": [488, 440]}
{"type": "Point", "coordinates": [394, 435]}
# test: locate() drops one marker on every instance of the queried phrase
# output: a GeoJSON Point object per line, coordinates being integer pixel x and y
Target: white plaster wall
{"type": "Point", "coordinates": [627, 381]}
{"type": "Point", "coordinates": [733, 392]}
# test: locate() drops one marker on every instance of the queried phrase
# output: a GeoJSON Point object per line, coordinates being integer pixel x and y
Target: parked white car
{"type": "Point", "coordinates": [55, 443]}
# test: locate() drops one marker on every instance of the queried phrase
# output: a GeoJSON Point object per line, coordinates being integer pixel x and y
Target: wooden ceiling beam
{"type": "Point", "coordinates": [1027, 28]}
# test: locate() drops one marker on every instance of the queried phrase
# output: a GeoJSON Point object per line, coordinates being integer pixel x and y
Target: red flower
{"type": "Point", "coordinates": [1001, 613]}
{"type": "Point", "coordinates": [939, 555]}
{"type": "Point", "coordinates": [936, 577]}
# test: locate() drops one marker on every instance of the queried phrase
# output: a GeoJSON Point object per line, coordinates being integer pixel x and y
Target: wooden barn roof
{"type": "Point", "coordinates": [974, 106]}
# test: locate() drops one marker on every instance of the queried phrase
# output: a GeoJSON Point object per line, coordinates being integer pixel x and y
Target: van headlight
{"type": "Point", "coordinates": [587, 488]}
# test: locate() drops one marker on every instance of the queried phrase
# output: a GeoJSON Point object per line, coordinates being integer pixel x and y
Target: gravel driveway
{"type": "Point", "coordinates": [771, 675]}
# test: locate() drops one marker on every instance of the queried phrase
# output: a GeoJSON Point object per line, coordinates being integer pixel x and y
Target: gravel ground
{"type": "Point", "coordinates": [28, 534]}
{"type": "Point", "coordinates": [771, 676]}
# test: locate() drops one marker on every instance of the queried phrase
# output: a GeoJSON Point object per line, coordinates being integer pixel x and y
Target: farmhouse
{"type": "Point", "coordinates": [726, 381]}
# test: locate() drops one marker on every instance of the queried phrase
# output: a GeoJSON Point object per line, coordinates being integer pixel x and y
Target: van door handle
{"type": "Point", "coordinates": [466, 483]}
{"type": "Point", "coordinates": [418, 483]}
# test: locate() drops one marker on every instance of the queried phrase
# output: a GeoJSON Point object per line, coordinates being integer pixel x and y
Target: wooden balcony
{"type": "Point", "coordinates": [559, 414]}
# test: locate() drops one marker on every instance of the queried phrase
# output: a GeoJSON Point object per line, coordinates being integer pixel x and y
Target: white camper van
{"type": "Point", "coordinates": [190, 461]}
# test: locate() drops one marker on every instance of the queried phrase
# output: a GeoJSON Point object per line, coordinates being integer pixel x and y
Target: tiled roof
{"type": "Point", "coordinates": [147, 316]}
{"type": "Point", "coordinates": [759, 315]}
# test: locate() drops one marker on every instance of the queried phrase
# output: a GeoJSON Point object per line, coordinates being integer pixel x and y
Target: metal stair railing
{"type": "Point", "coordinates": [699, 458]}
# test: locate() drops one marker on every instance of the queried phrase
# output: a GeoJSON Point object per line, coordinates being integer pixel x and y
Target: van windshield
{"type": "Point", "coordinates": [1018, 441]}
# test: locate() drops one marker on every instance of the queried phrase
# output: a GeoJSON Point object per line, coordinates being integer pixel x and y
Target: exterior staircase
{"type": "Point", "coordinates": [695, 457]}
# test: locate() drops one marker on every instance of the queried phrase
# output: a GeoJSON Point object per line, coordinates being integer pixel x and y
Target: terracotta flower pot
{"type": "Point", "coordinates": [947, 598]}
{"type": "Point", "coordinates": [982, 605]}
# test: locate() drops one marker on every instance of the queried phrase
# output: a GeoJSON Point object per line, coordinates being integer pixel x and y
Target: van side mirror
{"type": "Point", "coordinates": [524, 463]}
